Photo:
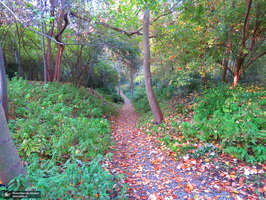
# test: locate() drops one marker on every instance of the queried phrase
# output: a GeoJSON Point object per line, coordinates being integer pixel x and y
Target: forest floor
{"type": "Point", "coordinates": [152, 173]}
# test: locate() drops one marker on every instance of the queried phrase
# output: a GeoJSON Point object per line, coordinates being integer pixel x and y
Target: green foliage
{"type": "Point", "coordinates": [73, 179]}
{"type": "Point", "coordinates": [117, 99]}
{"type": "Point", "coordinates": [140, 99]}
{"type": "Point", "coordinates": [61, 135]}
{"type": "Point", "coordinates": [102, 76]}
{"type": "Point", "coordinates": [233, 116]}
{"type": "Point", "coordinates": [110, 94]}
{"type": "Point", "coordinates": [107, 90]}
{"type": "Point", "coordinates": [208, 150]}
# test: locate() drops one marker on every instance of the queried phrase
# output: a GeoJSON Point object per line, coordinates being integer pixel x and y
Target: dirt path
{"type": "Point", "coordinates": [150, 172]}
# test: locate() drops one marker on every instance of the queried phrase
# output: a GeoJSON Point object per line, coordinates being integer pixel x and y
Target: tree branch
{"type": "Point", "coordinates": [249, 63]}
{"type": "Point", "coordinates": [22, 23]}
{"type": "Point", "coordinates": [62, 29]}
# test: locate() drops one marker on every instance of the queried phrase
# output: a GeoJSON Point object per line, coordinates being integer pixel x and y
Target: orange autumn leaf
{"type": "Point", "coordinates": [189, 186]}
{"type": "Point", "coordinates": [172, 58]}
{"type": "Point", "coordinates": [102, 20]}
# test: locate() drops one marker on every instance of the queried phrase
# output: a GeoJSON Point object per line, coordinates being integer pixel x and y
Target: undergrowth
{"type": "Point", "coordinates": [61, 134]}
{"type": "Point", "coordinates": [216, 124]}
{"type": "Point", "coordinates": [232, 117]}
{"type": "Point", "coordinates": [235, 118]}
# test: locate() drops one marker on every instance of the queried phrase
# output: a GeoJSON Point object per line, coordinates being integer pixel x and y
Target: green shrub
{"type": "Point", "coordinates": [234, 117]}
{"type": "Point", "coordinates": [75, 179]}
{"type": "Point", "coordinates": [61, 136]}
{"type": "Point", "coordinates": [140, 100]}
{"type": "Point", "coordinates": [117, 99]}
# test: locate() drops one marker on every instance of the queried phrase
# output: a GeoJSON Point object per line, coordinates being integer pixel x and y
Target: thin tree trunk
{"type": "Point", "coordinates": [48, 44]}
{"type": "Point", "coordinates": [229, 44]}
{"type": "Point", "coordinates": [139, 78]}
{"type": "Point", "coordinates": [79, 71]}
{"type": "Point", "coordinates": [90, 71]}
{"type": "Point", "coordinates": [228, 50]}
{"type": "Point", "coordinates": [10, 162]}
{"type": "Point", "coordinates": [3, 85]}
{"type": "Point", "coordinates": [43, 54]}
{"type": "Point", "coordinates": [119, 76]}
{"type": "Point", "coordinates": [241, 55]}
{"type": "Point", "coordinates": [157, 113]}
{"type": "Point", "coordinates": [131, 80]}
{"type": "Point", "coordinates": [17, 55]}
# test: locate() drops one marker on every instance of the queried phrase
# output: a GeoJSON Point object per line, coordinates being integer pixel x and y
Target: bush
{"type": "Point", "coordinates": [140, 100]}
{"type": "Point", "coordinates": [61, 137]}
{"type": "Point", "coordinates": [235, 117]}
{"type": "Point", "coordinates": [117, 99]}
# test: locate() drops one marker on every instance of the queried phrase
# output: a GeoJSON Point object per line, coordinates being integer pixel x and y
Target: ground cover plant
{"type": "Point", "coordinates": [222, 127]}
{"type": "Point", "coordinates": [62, 134]}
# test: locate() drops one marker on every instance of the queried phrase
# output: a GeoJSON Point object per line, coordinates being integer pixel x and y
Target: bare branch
{"type": "Point", "coordinates": [70, 22]}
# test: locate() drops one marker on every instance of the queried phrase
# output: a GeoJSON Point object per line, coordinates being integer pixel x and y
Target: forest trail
{"type": "Point", "coordinates": [150, 172]}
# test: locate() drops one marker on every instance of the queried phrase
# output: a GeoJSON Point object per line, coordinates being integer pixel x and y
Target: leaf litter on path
{"type": "Point", "coordinates": [154, 174]}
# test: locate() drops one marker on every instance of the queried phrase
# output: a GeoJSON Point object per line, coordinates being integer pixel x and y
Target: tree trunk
{"type": "Point", "coordinates": [58, 37]}
{"type": "Point", "coordinates": [60, 50]}
{"type": "Point", "coordinates": [58, 62]}
{"type": "Point", "coordinates": [3, 85]}
{"type": "Point", "coordinates": [17, 57]}
{"type": "Point", "coordinates": [48, 44]}
{"type": "Point", "coordinates": [17, 54]}
{"type": "Point", "coordinates": [131, 80]}
{"type": "Point", "coordinates": [10, 162]}
{"type": "Point", "coordinates": [139, 78]}
{"type": "Point", "coordinates": [241, 56]}
{"type": "Point", "coordinates": [229, 44]}
{"type": "Point", "coordinates": [157, 113]}
{"type": "Point", "coordinates": [238, 67]}
{"type": "Point", "coordinates": [43, 54]}
{"type": "Point", "coordinates": [119, 77]}
{"type": "Point", "coordinates": [90, 71]}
